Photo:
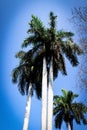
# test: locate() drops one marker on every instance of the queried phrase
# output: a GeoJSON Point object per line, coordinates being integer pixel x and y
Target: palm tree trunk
{"type": "Point", "coordinates": [69, 126]}
{"type": "Point", "coordinates": [44, 95]}
{"type": "Point", "coordinates": [27, 110]}
{"type": "Point", "coordinates": [50, 96]}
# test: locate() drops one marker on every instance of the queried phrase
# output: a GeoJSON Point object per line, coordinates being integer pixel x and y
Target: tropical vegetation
{"type": "Point", "coordinates": [67, 110]}
{"type": "Point", "coordinates": [45, 59]}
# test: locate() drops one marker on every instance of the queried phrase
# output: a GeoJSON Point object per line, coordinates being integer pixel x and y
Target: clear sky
{"type": "Point", "coordinates": [14, 18]}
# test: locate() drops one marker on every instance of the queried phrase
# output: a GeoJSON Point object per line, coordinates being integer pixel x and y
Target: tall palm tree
{"type": "Point", "coordinates": [65, 109]}
{"type": "Point", "coordinates": [51, 45]}
{"type": "Point", "coordinates": [28, 80]}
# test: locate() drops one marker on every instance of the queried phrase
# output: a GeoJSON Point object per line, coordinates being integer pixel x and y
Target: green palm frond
{"type": "Point", "coordinates": [64, 93]}
{"type": "Point", "coordinates": [15, 74]}
{"type": "Point", "coordinates": [57, 108]}
{"type": "Point", "coordinates": [20, 75]}
{"type": "Point", "coordinates": [20, 54]}
{"type": "Point", "coordinates": [56, 100]}
{"type": "Point", "coordinates": [77, 49]}
{"type": "Point", "coordinates": [70, 97]}
{"type": "Point", "coordinates": [71, 50]}
{"type": "Point", "coordinates": [61, 64]}
{"type": "Point", "coordinates": [62, 34]}
{"type": "Point", "coordinates": [59, 120]}
{"type": "Point", "coordinates": [31, 54]}
{"type": "Point", "coordinates": [36, 24]}
{"type": "Point", "coordinates": [37, 31]}
{"type": "Point", "coordinates": [79, 110]}
{"type": "Point", "coordinates": [52, 20]}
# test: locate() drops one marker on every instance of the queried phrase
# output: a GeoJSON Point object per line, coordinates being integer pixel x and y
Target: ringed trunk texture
{"type": "Point", "coordinates": [69, 126]}
{"type": "Point", "coordinates": [27, 109]}
{"type": "Point", "coordinates": [50, 97]}
{"type": "Point", "coordinates": [44, 95]}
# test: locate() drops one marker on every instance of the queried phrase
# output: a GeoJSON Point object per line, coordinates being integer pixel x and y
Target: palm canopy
{"type": "Point", "coordinates": [66, 110]}
{"type": "Point", "coordinates": [49, 42]}
{"type": "Point", "coordinates": [28, 71]}
{"type": "Point", "coordinates": [46, 42]}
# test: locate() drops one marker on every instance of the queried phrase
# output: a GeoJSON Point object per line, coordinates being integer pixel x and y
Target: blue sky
{"type": "Point", "coordinates": [14, 18]}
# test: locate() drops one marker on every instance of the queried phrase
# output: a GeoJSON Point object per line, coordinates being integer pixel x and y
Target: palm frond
{"type": "Point", "coordinates": [62, 34]}
{"type": "Point", "coordinates": [79, 110]}
{"type": "Point", "coordinates": [70, 51]}
{"type": "Point", "coordinates": [64, 92]}
{"type": "Point", "coordinates": [37, 31]}
{"type": "Point", "coordinates": [52, 20]}
{"type": "Point", "coordinates": [20, 54]}
{"type": "Point", "coordinates": [15, 74]}
{"type": "Point", "coordinates": [57, 108]}
{"type": "Point", "coordinates": [59, 120]}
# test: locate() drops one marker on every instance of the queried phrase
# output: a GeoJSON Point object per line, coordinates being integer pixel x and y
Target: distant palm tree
{"type": "Point", "coordinates": [66, 110]}
{"type": "Point", "coordinates": [28, 80]}
{"type": "Point", "coordinates": [51, 45]}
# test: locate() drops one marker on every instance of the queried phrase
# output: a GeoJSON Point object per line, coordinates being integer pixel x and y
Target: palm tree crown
{"type": "Point", "coordinates": [49, 42]}
{"type": "Point", "coordinates": [66, 110]}
{"type": "Point", "coordinates": [26, 73]}
{"type": "Point", "coordinates": [46, 42]}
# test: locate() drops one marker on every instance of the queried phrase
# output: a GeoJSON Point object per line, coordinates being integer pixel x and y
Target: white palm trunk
{"type": "Point", "coordinates": [50, 97]}
{"type": "Point", "coordinates": [69, 126]}
{"type": "Point", "coordinates": [27, 110]}
{"type": "Point", "coordinates": [44, 95]}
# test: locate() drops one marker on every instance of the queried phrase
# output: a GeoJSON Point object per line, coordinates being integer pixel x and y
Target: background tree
{"type": "Point", "coordinates": [79, 18]}
{"type": "Point", "coordinates": [65, 109]}
{"type": "Point", "coordinates": [25, 76]}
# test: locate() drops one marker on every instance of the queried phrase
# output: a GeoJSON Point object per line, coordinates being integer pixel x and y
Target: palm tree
{"type": "Point", "coordinates": [51, 45]}
{"type": "Point", "coordinates": [28, 80]}
{"type": "Point", "coordinates": [66, 110]}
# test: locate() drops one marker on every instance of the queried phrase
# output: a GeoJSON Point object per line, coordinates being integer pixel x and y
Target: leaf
{"type": "Point", "coordinates": [20, 54]}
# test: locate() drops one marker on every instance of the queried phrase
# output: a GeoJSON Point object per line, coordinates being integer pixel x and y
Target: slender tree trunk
{"type": "Point", "coordinates": [50, 96]}
{"type": "Point", "coordinates": [69, 126]}
{"type": "Point", "coordinates": [27, 110]}
{"type": "Point", "coordinates": [44, 95]}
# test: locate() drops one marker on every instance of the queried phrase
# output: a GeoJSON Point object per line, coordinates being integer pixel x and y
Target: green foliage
{"type": "Point", "coordinates": [45, 42]}
{"type": "Point", "coordinates": [26, 73]}
{"type": "Point", "coordinates": [65, 109]}
{"type": "Point", "coordinates": [56, 43]}
{"type": "Point", "coordinates": [20, 54]}
{"type": "Point", "coordinates": [37, 31]}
